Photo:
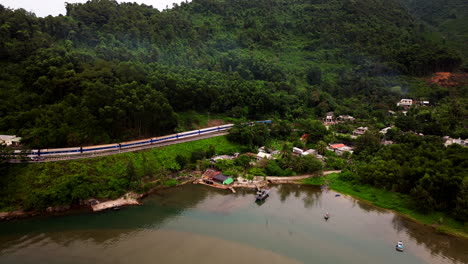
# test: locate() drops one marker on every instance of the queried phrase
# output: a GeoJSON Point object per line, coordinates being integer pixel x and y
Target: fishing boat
{"type": "Point", "coordinates": [262, 193]}
{"type": "Point", "coordinates": [399, 246]}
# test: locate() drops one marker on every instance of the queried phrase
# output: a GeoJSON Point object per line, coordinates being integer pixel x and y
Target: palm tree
{"type": "Point", "coordinates": [286, 151]}
{"type": "Point", "coordinates": [321, 147]}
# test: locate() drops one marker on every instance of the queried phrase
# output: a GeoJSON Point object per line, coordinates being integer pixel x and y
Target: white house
{"type": "Point", "coordinates": [329, 118]}
{"type": "Point", "coordinates": [385, 130]}
{"type": "Point", "coordinates": [405, 103]}
{"type": "Point", "coordinates": [297, 151]}
{"type": "Point", "coordinates": [449, 141]}
{"type": "Point", "coordinates": [345, 118]}
{"type": "Point", "coordinates": [263, 155]}
{"type": "Point", "coordinates": [9, 140]}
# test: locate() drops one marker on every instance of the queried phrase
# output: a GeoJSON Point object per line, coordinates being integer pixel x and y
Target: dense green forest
{"type": "Point", "coordinates": [448, 19]}
{"type": "Point", "coordinates": [107, 71]}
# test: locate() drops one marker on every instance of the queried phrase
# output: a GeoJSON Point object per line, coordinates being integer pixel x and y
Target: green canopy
{"type": "Point", "coordinates": [228, 181]}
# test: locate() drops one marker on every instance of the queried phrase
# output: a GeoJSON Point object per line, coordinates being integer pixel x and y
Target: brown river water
{"type": "Point", "coordinates": [197, 224]}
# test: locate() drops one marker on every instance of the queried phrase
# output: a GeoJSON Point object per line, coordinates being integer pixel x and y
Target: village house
{"type": "Point", "coordinates": [360, 131]}
{"type": "Point", "coordinates": [264, 155]}
{"type": "Point", "coordinates": [329, 118]}
{"type": "Point", "coordinates": [385, 130]}
{"type": "Point", "coordinates": [405, 103]}
{"type": "Point", "coordinates": [424, 103]}
{"type": "Point", "coordinates": [386, 142]}
{"type": "Point", "coordinates": [340, 148]}
{"type": "Point", "coordinates": [449, 141]}
{"type": "Point", "coordinates": [216, 177]}
{"type": "Point", "coordinates": [298, 151]}
{"type": "Point", "coordinates": [222, 157]}
{"type": "Point", "coordinates": [343, 118]}
{"type": "Point", "coordinates": [312, 152]}
{"type": "Point", "coordinates": [10, 140]}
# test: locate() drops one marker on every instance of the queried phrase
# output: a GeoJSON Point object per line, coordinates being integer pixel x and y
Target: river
{"type": "Point", "coordinates": [198, 224]}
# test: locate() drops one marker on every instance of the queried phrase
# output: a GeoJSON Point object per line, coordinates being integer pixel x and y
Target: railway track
{"type": "Point", "coordinates": [114, 152]}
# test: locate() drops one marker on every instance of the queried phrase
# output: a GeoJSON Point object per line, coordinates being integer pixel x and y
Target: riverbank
{"type": "Point", "coordinates": [396, 202]}
{"type": "Point", "coordinates": [35, 187]}
{"type": "Point", "coordinates": [130, 198]}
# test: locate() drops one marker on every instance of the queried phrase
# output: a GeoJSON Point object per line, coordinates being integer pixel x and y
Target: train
{"type": "Point", "coordinates": [37, 154]}
{"type": "Point", "coordinates": [41, 154]}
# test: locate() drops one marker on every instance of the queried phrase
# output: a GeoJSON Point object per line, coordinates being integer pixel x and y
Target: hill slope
{"type": "Point", "coordinates": [109, 71]}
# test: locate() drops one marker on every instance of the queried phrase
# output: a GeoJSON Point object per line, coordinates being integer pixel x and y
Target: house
{"type": "Point", "coordinates": [223, 179]}
{"type": "Point", "coordinates": [210, 173]}
{"type": "Point", "coordinates": [405, 103]}
{"type": "Point", "coordinates": [10, 140]}
{"type": "Point", "coordinates": [222, 157]}
{"type": "Point", "coordinates": [345, 118]}
{"type": "Point", "coordinates": [360, 131]}
{"type": "Point", "coordinates": [449, 141]}
{"type": "Point", "coordinates": [386, 142]}
{"type": "Point", "coordinates": [385, 130]}
{"type": "Point", "coordinates": [340, 148]}
{"type": "Point", "coordinates": [329, 118]}
{"type": "Point", "coordinates": [297, 151]}
{"type": "Point", "coordinates": [213, 176]}
{"type": "Point", "coordinates": [310, 152]}
{"type": "Point", "coordinates": [335, 146]}
{"type": "Point", "coordinates": [264, 155]}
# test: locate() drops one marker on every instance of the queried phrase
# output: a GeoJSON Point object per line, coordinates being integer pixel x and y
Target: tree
{"type": "Point", "coordinates": [243, 161]}
{"type": "Point", "coordinates": [321, 147]}
{"type": "Point", "coordinates": [181, 160]}
{"type": "Point", "coordinates": [131, 171]}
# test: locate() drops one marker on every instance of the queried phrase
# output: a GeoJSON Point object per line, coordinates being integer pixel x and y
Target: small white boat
{"type": "Point", "coordinates": [326, 216]}
{"type": "Point", "coordinates": [399, 246]}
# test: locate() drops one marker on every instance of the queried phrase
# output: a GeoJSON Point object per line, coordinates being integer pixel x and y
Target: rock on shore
{"type": "Point", "coordinates": [127, 199]}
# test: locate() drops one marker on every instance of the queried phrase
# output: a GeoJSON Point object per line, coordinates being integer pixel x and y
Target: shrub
{"type": "Point", "coordinates": [197, 155]}
{"type": "Point", "coordinates": [257, 172]}
{"type": "Point", "coordinates": [170, 182]}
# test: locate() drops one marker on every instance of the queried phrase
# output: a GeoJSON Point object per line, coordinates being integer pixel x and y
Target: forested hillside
{"type": "Point", "coordinates": [449, 18]}
{"type": "Point", "coordinates": [108, 71]}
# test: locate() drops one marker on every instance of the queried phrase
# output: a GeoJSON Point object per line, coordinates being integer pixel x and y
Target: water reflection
{"type": "Point", "coordinates": [454, 248]}
{"type": "Point", "coordinates": [165, 206]}
{"type": "Point", "coordinates": [289, 222]}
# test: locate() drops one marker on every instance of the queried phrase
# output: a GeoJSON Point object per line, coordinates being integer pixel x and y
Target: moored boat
{"type": "Point", "coordinates": [262, 193]}
{"type": "Point", "coordinates": [399, 246]}
{"type": "Point", "coordinates": [326, 216]}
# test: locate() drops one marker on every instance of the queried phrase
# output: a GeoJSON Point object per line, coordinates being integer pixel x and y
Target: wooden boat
{"type": "Point", "coordinates": [262, 193]}
{"type": "Point", "coordinates": [399, 246]}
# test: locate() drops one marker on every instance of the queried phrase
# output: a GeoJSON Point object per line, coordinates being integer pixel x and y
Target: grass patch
{"type": "Point", "coordinates": [314, 181]}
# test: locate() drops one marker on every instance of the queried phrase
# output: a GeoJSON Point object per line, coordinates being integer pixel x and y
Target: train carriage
{"type": "Point", "coordinates": [135, 143]}
{"type": "Point", "coordinates": [100, 148]}
{"type": "Point", "coordinates": [56, 151]}
{"type": "Point", "coordinates": [166, 138]}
